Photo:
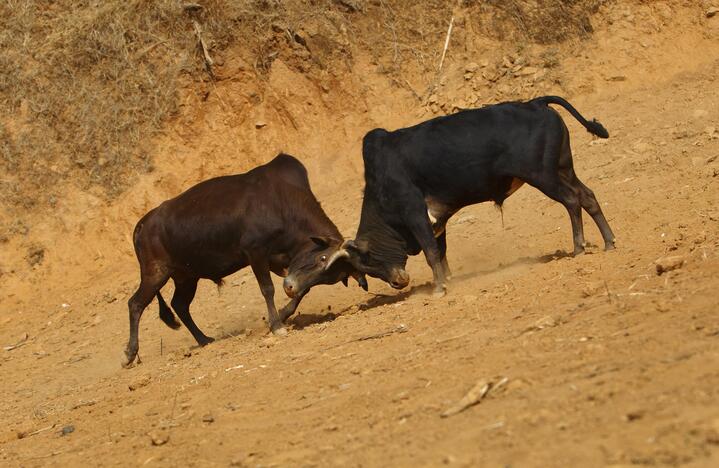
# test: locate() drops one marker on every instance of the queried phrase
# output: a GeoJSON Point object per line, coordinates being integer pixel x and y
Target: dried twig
{"type": "Point", "coordinates": [21, 342]}
{"type": "Point", "coordinates": [446, 43]}
{"type": "Point", "coordinates": [472, 397]}
{"type": "Point", "coordinates": [198, 32]}
{"type": "Point", "coordinates": [23, 435]}
{"type": "Point", "coordinates": [398, 329]}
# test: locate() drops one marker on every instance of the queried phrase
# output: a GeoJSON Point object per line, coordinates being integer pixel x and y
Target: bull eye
{"type": "Point", "coordinates": [323, 258]}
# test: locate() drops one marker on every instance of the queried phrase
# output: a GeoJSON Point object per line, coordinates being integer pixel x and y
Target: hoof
{"type": "Point", "coordinates": [578, 252]}
{"type": "Point", "coordinates": [129, 360]}
{"type": "Point", "coordinates": [608, 247]}
{"type": "Point", "coordinates": [205, 341]}
{"type": "Point", "coordinates": [439, 292]}
{"type": "Point", "coordinates": [279, 331]}
{"type": "Point", "coordinates": [128, 364]}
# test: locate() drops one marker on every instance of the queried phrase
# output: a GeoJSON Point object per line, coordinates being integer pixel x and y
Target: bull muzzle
{"type": "Point", "coordinates": [399, 278]}
{"type": "Point", "coordinates": [290, 286]}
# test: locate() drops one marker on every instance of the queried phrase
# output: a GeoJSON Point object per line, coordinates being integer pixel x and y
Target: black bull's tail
{"type": "Point", "coordinates": [166, 313]}
{"type": "Point", "coordinates": [593, 126]}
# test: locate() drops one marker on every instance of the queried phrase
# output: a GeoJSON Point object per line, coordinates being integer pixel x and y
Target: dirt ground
{"type": "Point", "coordinates": [592, 361]}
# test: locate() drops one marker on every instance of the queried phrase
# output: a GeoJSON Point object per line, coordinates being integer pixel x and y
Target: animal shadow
{"type": "Point", "coordinates": [380, 300]}
{"type": "Point", "coordinates": [301, 321]}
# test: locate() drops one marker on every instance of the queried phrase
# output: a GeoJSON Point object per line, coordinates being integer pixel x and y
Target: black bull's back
{"type": "Point", "coordinates": [418, 177]}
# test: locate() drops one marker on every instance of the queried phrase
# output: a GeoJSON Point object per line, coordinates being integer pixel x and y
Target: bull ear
{"type": "Point", "coordinates": [323, 242]}
{"type": "Point", "coordinates": [361, 246]}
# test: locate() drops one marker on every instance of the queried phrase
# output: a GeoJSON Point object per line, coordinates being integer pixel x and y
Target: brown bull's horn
{"type": "Point", "coordinates": [341, 253]}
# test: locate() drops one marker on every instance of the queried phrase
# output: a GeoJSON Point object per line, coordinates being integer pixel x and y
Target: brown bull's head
{"type": "Point", "coordinates": [318, 265]}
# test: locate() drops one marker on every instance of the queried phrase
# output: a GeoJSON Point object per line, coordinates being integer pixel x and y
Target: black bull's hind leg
{"type": "Point", "coordinates": [564, 187]}
{"type": "Point", "coordinates": [591, 205]}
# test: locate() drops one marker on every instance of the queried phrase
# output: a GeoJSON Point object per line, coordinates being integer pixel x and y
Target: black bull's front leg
{"type": "Point", "coordinates": [421, 229]}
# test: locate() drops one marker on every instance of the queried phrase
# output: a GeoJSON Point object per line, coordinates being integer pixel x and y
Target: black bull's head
{"type": "Point", "coordinates": [336, 261]}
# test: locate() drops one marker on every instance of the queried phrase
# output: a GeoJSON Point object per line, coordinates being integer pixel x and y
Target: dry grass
{"type": "Point", "coordinates": [86, 85]}
{"type": "Point", "coordinates": [541, 21]}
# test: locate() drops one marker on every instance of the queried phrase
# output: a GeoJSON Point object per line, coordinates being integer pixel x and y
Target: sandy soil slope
{"type": "Point", "coordinates": [593, 361]}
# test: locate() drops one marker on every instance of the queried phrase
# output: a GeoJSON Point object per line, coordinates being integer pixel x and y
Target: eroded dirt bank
{"type": "Point", "coordinates": [606, 361]}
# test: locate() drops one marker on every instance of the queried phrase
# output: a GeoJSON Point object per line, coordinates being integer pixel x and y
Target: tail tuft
{"type": "Point", "coordinates": [596, 128]}
{"type": "Point", "coordinates": [166, 314]}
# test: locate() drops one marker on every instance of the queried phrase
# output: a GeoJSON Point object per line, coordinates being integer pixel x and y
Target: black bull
{"type": "Point", "coordinates": [418, 177]}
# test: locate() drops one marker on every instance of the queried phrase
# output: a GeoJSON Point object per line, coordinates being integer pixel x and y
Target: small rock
{"type": "Point", "coordinates": [69, 429]}
{"type": "Point", "coordinates": [712, 11]}
{"type": "Point", "coordinates": [260, 124]}
{"type": "Point", "coordinates": [592, 289]}
{"type": "Point", "coordinates": [641, 146]}
{"type": "Point", "coordinates": [159, 437]}
{"type": "Point", "coordinates": [526, 71]}
{"type": "Point", "coordinates": [208, 418]}
{"type": "Point", "coordinates": [633, 416]}
{"type": "Point", "coordinates": [471, 67]}
{"type": "Point", "coordinates": [35, 255]}
{"type": "Point", "coordinates": [617, 78]}
{"type": "Point", "coordinates": [666, 264]}
{"type": "Point", "coordinates": [546, 322]}
{"type": "Point", "coordinates": [680, 134]}
{"type": "Point", "coordinates": [139, 382]}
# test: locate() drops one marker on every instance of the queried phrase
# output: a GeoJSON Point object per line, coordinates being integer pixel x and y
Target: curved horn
{"type": "Point", "coordinates": [341, 253]}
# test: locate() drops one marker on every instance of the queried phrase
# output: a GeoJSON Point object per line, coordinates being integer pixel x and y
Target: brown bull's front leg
{"type": "Point", "coordinates": [288, 310]}
{"type": "Point", "coordinates": [261, 269]}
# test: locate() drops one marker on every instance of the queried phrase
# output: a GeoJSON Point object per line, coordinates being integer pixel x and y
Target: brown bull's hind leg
{"type": "Point", "coordinates": [184, 294]}
{"type": "Point", "coordinates": [149, 286]}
